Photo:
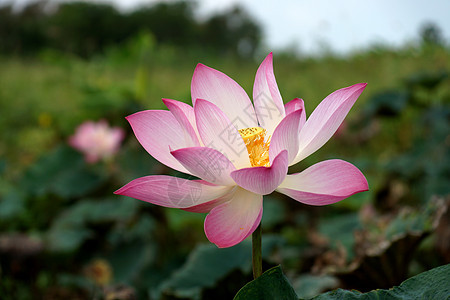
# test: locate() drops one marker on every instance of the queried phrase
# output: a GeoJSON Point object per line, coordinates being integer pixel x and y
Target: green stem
{"type": "Point", "coordinates": [256, 252]}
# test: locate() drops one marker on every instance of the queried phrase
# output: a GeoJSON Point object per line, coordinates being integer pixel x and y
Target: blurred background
{"type": "Point", "coordinates": [64, 235]}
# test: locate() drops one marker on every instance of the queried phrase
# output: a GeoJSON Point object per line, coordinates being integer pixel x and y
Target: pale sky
{"type": "Point", "coordinates": [343, 25]}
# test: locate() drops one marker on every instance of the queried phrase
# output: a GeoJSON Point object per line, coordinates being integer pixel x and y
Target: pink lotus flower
{"type": "Point", "coordinates": [241, 151]}
{"type": "Point", "coordinates": [97, 140]}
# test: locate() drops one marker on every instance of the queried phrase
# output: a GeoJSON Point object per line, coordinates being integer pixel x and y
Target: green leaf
{"type": "Point", "coordinates": [381, 261]}
{"type": "Point", "coordinates": [274, 212]}
{"type": "Point", "coordinates": [340, 229]}
{"type": "Point", "coordinates": [108, 209]}
{"type": "Point", "coordinates": [421, 220]}
{"type": "Point", "coordinates": [66, 239]}
{"type": "Point", "coordinates": [387, 103]}
{"type": "Point", "coordinates": [71, 228]}
{"type": "Point", "coordinates": [63, 173]}
{"type": "Point", "coordinates": [39, 178]}
{"type": "Point", "coordinates": [3, 166]}
{"type": "Point", "coordinates": [208, 264]}
{"type": "Point", "coordinates": [76, 183]}
{"type": "Point", "coordinates": [432, 284]}
{"type": "Point", "coordinates": [270, 285]}
{"type": "Point", "coordinates": [307, 285]}
{"type": "Point", "coordinates": [133, 161]}
{"type": "Point", "coordinates": [12, 204]}
{"type": "Point", "coordinates": [428, 80]}
{"type": "Point", "coordinates": [129, 259]}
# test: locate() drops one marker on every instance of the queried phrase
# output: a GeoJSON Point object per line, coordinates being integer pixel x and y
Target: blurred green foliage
{"type": "Point", "coordinates": [88, 28]}
{"type": "Point", "coordinates": [271, 285]}
{"type": "Point", "coordinates": [428, 285]}
{"type": "Point", "coordinates": [62, 231]}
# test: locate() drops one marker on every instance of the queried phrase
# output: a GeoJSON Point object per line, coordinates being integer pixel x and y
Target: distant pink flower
{"type": "Point", "coordinates": [97, 140]}
{"type": "Point", "coordinates": [241, 151]}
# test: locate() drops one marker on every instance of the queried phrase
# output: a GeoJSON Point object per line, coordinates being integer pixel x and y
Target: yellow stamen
{"type": "Point", "coordinates": [257, 146]}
